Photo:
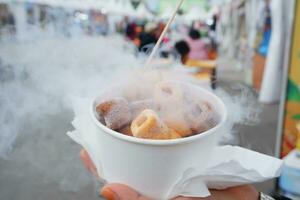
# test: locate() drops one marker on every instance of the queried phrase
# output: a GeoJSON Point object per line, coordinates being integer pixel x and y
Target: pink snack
{"type": "Point", "coordinates": [137, 107]}
{"type": "Point", "coordinates": [201, 117]}
{"type": "Point", "coordinates": [116, 113]}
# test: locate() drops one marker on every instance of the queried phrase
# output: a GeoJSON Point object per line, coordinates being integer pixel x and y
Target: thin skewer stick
{"type": "Point", "coordinates": [163, 33]}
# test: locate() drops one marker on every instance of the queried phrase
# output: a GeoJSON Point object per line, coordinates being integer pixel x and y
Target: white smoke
{"type": "Point", "coordinates": [36, 79]}
{"type": "Point", "coordinates": [242, 108]}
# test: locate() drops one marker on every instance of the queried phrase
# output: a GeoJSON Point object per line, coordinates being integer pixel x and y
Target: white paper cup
{"type": "Point", "coordinates": [153, 166]}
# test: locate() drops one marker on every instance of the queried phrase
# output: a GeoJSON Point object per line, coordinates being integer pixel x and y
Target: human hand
{"type": "Point", "coordinates": [117, 191]}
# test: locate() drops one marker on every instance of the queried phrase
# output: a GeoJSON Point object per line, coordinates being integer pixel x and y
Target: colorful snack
{"type": "Point", "coordinates": [137, 107]}
{"type": "Point", "coordinates": [178, 123]}
{"type": "Point", "coordinates": [126, 130]}
{"type": "Point", "coordinates": [166, 93]}
{"type": "Point", "coordinates": [149, 126]}
{"type": "Point", "coordinates": [169, 97]}
{"type": "Point", "coordinates": [201, 117]}
{"type": "Point", "coordinates": [116, 113]}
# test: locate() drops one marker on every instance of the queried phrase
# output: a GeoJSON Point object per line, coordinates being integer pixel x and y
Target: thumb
{"type": "Point", "coordinates": [117, 191]}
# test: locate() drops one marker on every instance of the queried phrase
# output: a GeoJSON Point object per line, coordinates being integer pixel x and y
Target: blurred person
{"type": "Point", "coordinates": [3, 15]}
{"type": "Point", "coordinates": [212, 51]}
{"type": "Point", "coordinates": [138, 30]}
{"type": "Point", "coordinates": [183, 50]}
{"type": "Point", "coordinates": [197, 46]}
{"type": "Point", "coordinates": [147, 37]}
{"type": "Point", "coordinates": [101, 24]}
{"type": "Point", "coordinates": [122, 25]}
{"type": "Point", "coordinates": [43, 17]}
{"type": "Point", "coordinates": [130, 30]}
{"type": "Point", "coordinates": [213, 26]}
{"type": "Point", "coordinates": [116, 191]}
{"type": "Point", "coordinates": [11, 23]}
{"type": "Point", "coordinates": [159, 29]}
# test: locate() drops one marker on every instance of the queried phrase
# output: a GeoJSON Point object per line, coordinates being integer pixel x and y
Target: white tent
{"type": "Point", "coordinates": [76, 4]}
{"type": "Point", "coordinates": [167, 13]}
{"type": "Point", "coordinates": [195, 13]}
{"type": "Point", "coordinates": [143, 12]}
{"type": "Point", "coordinates": [127, 9]}
{"type": "Point", "coordinates": [117, 7]}
{"type": "Point", "coordinates": [112, 7]}
{"type": "Point", "coordinates": [120, 7]}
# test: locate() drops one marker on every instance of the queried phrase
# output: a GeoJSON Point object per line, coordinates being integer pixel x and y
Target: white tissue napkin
{"type": "Point", "coordinates": [229, 166]}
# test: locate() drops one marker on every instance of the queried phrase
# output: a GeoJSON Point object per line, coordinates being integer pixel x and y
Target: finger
{"type": "Point", "coordinates": [246, 192]}
{"type": "Point", "coordinates": [117, 191]}
{"type": "Point", "coordinates": [193, 198]}
{"type": "Point", "coordinates": [87, 161]}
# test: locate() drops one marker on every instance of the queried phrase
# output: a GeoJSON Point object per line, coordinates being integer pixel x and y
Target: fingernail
{"type": "Point", "coordinates": [108, 194]}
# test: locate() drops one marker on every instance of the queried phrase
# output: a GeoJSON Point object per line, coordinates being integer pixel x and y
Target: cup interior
{"type": "Point", "coordinates": [207, 95]}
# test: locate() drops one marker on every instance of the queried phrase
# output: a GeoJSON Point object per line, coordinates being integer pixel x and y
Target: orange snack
{"type": "Point", "coordinates": [149, 126]}
{"type": "Point", "coordinates": [178, 123]}
{"type": "Point", "coordinates": [126, 130]}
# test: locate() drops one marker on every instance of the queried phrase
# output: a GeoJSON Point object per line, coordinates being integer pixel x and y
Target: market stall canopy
{"type": "Point", "coordinates": [112, 7]}
{"type": "Point", "coordinates": [143, 12]}
{"type": "Point", "coordinates": [77, 4]}
{"type": "Point", "coordinates": [127, 9]}
{"type": "Point", "coordinates": [119, 7]}
{"type": "Point", "coordinates": [196, 13]}
{"type": "Point", "coordinates": [166, 14]}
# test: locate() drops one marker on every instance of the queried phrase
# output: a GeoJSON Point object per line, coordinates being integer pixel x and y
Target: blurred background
{"type": "Point", "coordinates": [51, 50]}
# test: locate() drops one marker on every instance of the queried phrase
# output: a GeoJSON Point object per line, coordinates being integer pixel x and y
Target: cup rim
{"type": "Point", "coordinates": [164, 142]}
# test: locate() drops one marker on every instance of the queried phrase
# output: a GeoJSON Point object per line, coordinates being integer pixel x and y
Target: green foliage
{"type": "Point", "coordinates": [164, 4]}
{"type": "Point", "coordinates": [293, 92]}
{"type": "Point", "coordinates": [296, 117]}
